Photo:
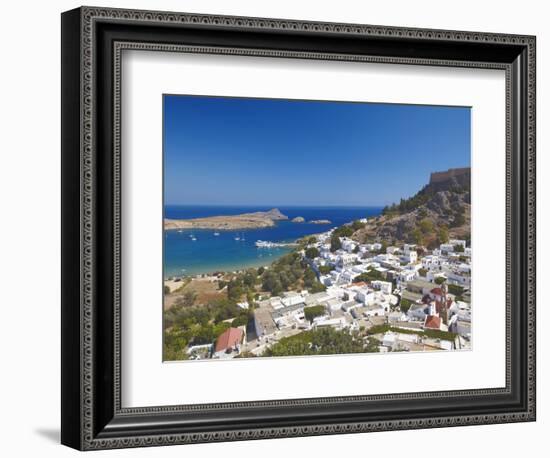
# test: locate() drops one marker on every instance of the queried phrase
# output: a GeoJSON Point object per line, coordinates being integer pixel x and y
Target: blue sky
{"type": "Point", "coordinates": [237, 151]}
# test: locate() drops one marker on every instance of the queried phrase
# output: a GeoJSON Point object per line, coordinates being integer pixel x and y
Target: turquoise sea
{"type": "Point", "coordinates": [192, 252]}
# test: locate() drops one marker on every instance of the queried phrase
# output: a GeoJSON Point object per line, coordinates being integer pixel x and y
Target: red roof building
{"type": "Point", "coordinates": [432, 322]}
{"type": "Point", "coordinates": [229, 339]}
{"type": "Point", "coordinates": [437, 292]}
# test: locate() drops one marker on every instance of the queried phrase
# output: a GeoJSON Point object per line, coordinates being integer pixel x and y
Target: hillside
{"type": "Point", "coordinates": [439, 211]}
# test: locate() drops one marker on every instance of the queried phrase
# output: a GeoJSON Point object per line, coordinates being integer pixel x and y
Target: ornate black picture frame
{"type": "Point", "coordinates": [92, 42]}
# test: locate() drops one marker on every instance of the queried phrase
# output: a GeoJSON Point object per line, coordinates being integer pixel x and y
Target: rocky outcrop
{"type": "Point", "coordinates": [298, 219]}
{"type": "Point", "coordinates": [274, 214]}
{"type": "Point", "coordinates": [452, 177]}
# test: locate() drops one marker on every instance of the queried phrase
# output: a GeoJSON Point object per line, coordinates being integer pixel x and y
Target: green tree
{"type": "Point", "coordinates": [335, 243]}
{"type": "Point", "coordinates": [235, 289]}
{"type": "Point", "coordinates": [241, 320]}
{"type": "Point", "coordinates": [314, 311]}
{"type": "Point", "coordinates": [188, 299]}
{"type": "Point", "coordinates": [369, 276]}
{"type": "Point", "coordinates": [250, 278]}
{"type": "Point", "coordinates": [455, 289]}
{"type": "Point", "coordinates": [459, 219]}
{"type": "Point", "coordinates": [440, 280]}
{"type": "Point", "coordinates": [174, 345]}
{"type": "Point", "coordinates": [373, 345]}
{"type": "Point", "coordinates": [357, 225]}
{"type": "Point", "coordinates": [312, 253]}
{"type": "Point", "coordinates": [426, 226]}
{"type": "Point", "coordinates": [417, 236]}
{"type": "Point", "coordinates": [326, 341]}
{"type": "Point", "coordinates": [443, 235]}
{"type": "Point", "coordinates": [309, 278]}
{"type": "Point", "coordinates": [317, 287]}
{"type": "Point", "coordinates": [343, 231]}
{"type": "Point", "coordinates": [325, 269]}
{"type": "Point", "coordinates": [405, 305]}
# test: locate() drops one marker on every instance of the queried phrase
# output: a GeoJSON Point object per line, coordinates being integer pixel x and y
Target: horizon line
{"type": "Point", "coordinates": [277, 205]}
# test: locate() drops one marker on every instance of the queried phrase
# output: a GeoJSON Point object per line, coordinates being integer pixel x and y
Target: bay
{"type": "Point", "coordinates": [201, 251]}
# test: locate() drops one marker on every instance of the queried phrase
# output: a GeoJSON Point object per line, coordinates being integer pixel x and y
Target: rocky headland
{"type": "Point", "coordinates": [228, 222]}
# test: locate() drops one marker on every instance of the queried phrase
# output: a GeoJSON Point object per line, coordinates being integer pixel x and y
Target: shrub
{"type": "Point", "coordinates": [312, 253]}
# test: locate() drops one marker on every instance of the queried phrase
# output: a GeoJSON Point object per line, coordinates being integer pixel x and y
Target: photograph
{"type": "Point", "coordinates": [303, 228]}
{"type": "Point", "coordinates": [282, 222]}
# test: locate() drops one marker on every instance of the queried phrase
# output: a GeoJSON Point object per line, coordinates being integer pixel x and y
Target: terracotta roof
{"type": "Point", "coordinates": [432, 322]}
{"type": "Point", "coordinates": [437, 291]}
{"type": "Point", "coordinates": [228, 339]}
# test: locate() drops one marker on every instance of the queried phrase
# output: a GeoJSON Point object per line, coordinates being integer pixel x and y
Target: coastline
{"type": "Point", "coordinates": [238, 266]}
{"type": "Point", "coordinates": [221, 223]}
{"type": "Point", "coordinates": [192, 250]}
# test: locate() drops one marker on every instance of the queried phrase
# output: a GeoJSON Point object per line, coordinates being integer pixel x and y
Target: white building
{"type": "Point", "coordinates": [410, 258]}
{"type": "Point", "coordinates": [346, 259]}
{"type": "Point", "coordinates": [374, 310]}
{"type": "Point", "coordinates": [347, 276]}
{"type": "Point", "coordinates": [407, 275]}
{"type": "Point", "coordinates": [389, 339]}
{"type": "Point", "coordinates": [447, 248]}
{"type": "Point", "coordinates": [409, 247]}
{"type": "Point", "coordinates": [348, 245]}
{"type": "Point", "coordinates": [362, 295]}
{"type": "Point", "coordinates": [455, 242]}
{"type": "Point", "coordinates": [383, 286]}
{"type": "Point", "coordinates": [292, 298]}
{"type": "Point", "coordinates": [419, 311]}
{"type": "Point", "coordinates": [323, 322]}
{"type": "Point", "coordinates": [458, 278]}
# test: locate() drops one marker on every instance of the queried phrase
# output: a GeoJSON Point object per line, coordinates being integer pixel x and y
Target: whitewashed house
{"type": "Point", "coordinates": [410, 258]}
{"type": "Point", "coordinates": [455, 242]}
{"type": "Point", "coordinates": [383, 286]}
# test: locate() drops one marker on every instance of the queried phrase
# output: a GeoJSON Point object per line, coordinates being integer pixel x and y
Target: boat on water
{"type": "Point", "coordinates": [216, 233]}
{"type": "Point", "coordinates": [264, 244]}
{"type": "Point", "coordinates": [237, 238]}
{"type": "Point", "coordinates": [194, 239]}
{"type": "Point", "coordinates": [180, 231]}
